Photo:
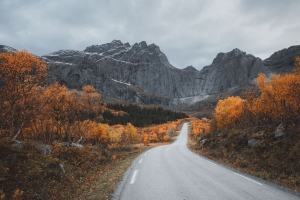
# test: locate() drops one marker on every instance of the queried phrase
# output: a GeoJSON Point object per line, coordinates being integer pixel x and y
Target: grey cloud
{"type": "Point", "coordinates": [189, 32]}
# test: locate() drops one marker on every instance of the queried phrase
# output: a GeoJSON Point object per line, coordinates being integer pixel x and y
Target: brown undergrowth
{"type": "Point", "coordinates": [27, 174]}
{"type": "Point", "coordinates": [272, 159]}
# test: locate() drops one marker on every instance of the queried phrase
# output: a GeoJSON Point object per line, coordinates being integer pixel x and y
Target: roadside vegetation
{"type": "Point", "coordinates": [257, 133]}
{"type": "Point", "coordinates": [55, 142]}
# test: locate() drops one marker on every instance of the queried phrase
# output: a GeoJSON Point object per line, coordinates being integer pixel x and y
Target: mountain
{"type": "Point", "coordinates": [282, 61]}
{"type": "Point", "coordinates": [141, 73]}
{"type": "Point", "coordinates": [4, 49]}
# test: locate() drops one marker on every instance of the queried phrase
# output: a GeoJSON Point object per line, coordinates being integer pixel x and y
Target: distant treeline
{"type": "Point", "coordinates": [139, 116]}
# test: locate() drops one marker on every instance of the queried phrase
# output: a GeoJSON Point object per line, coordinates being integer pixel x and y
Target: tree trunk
{"type": "Point", "coordinates": [19, 131]}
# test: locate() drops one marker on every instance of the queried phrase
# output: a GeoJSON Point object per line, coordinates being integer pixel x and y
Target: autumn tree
{"type": "Point", "coordinates": [21, 75]}
{"type": "Point", "coordinates": [146, 139]}
{"type": "Point", "coordinates": [115, 136]}
{"type": "Point", "coordinates": [200, 128]}
{"type": "Point", "coordinates": [279, 101]}
{"type": "Point", "coordinates": [131, 134]}
{"type": "Point", "coordinates": [90, 102]}
{"type": "Point", "coordinates": [153, 137]}
{"type": "Point", "coordinates": [166, 138]}
{"type": "Point", "coordinates": [229, 111]}
{"type": "Point", "coordinates": [98, 134]}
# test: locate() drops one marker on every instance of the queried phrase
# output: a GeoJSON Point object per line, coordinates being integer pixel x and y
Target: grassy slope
{"type": "Point", "coordinates": [275, 160]}
{"type": "Point", "coordinates": [40, 177]}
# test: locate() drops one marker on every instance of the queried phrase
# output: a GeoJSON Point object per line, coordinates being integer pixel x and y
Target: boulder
{"type": "Point", "coordinates": [61, 166]}
{"type": "Point", "coordinates": [253, 142]}
{"type": "Point", "coordinates": [221, 134]}
{"type": "Point", "coordinates": [44, 149]}
{"type": "Point", "coordinates": [65, 144]}
{"type": "Point", "coordinates": [17, 144]}
{"type": "Point", "coordinates": [279, 132]}
{"type": "Point", "coordinates": [76, 145]}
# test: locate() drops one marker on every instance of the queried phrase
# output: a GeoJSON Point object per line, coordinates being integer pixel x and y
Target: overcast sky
{"type": "Point", "coordinates": [189, 32]}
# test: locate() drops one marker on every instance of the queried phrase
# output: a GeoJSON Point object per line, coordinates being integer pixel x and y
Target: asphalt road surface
{"type": "Point", "coordinates": [174, 172]}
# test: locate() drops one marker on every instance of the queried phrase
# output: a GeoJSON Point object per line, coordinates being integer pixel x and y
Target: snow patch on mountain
{"type": "Point", "coordinates": [189, 100]}
{"type": "Point", "coordinates": [120, 82]}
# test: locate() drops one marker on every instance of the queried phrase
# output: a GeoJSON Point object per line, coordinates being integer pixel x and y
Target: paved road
{"type": "Point", "coordinates": [174, 172]}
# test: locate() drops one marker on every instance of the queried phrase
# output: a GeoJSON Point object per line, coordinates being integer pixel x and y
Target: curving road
{"type": "Point", "coordinates": [174, 172]}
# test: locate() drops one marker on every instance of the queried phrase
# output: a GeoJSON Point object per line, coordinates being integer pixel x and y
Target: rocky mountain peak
{"type": "Point", "coordinates": [283, 61]}
{"type": "Point", "coordinates": [116, 45]}
{"type": "Point", "coordinates": [226, 56]}
{"type": "Point", "coordinates": [140, 46]}
{"type": "Point", "coordinates": [293, 50]}
{"type": "Point", "coordinates": [190, 68]}
{"type": "Point", "coordinates": [117, 42]}
{"type": "Point", "coordinates": [4, 48]}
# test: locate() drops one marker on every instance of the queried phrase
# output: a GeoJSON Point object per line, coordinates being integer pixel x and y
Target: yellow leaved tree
{"type": "Point", "coordinates": [228, 112]}
{"type": "Point", "coordinates": [131, 134]}
{"type": "Point", "coordinates": [21, 75]}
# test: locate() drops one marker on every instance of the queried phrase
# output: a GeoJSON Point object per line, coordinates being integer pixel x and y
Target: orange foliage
{"type": "Point", "coordinates": [229, 111]}
{"type": "Point", "coordinates": [21, 75]}
{"type": "Point", "coordinates": [153, 137]}
{"type": "Point", "coordinates": [200, 128]}
{"type": "Point", "coordinates": [115, 136]}
{"type": "Point", "coordinates": [98, 134]}
{"type": "Point", "coordinates": [159, 133]}
{"type": "Point", "coordinates": [166, 138]}
{"type": "Point", "coordinates": [278, 103]}
{"type": "Point", "coordinates": [146, 139]}
{"type": "Point", "coordinates": [131, 134]}
{"type": "Point", "coordinates": [31, 110]}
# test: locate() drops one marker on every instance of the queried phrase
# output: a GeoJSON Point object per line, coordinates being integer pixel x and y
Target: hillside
{"type": "Point", "coordinates": [257, 133]}
{"type": "Point", "coordinates": [55, 141]}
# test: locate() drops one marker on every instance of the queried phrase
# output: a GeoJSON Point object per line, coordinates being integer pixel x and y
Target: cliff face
{"type": "Point", "coordinates": [230, 70]}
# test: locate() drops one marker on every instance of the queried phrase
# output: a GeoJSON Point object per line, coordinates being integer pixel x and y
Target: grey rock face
{"type": "Point", "coordinates": [190, 68]}
{"type": "Point", "coordinates": [282, 61]}
{"type": "Point", "coordinates": [142, 73]}
{"type": "Point", "coordinates": [253, 142]}
{"type": "Point", "coordinates": [230, 70]}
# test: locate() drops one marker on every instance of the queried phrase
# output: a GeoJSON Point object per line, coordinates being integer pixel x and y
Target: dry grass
{"type": "Point", "coordinates": [27, 174]}
{"type": "Point", "coordinates": [275, 160]}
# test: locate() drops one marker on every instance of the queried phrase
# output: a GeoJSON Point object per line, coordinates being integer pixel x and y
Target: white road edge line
{"type": "Point", "coordinates": [211, 162]}
{"type": "Point", "coordinates": [134, 176]}
{"type": "Point", "coordinates": [145, 154]}
{"type": "Point", "coordinates": [141, 160]}
{"type": "Point", "coordinates": [248, 178]}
